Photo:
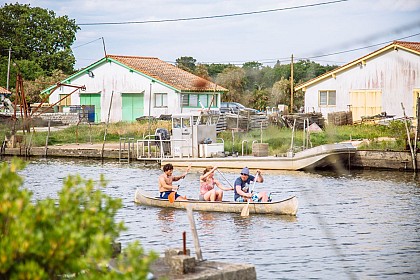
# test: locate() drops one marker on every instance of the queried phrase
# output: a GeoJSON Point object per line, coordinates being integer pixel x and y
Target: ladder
{"type": "Point", "coordinates": [126, 149]}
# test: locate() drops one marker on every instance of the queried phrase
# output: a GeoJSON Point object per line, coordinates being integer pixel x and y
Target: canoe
{"type": "Point", "coordinates": [287, 206]}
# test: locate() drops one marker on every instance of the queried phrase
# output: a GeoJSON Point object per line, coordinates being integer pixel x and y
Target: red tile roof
{"type": "Point", "coordinates": [167, 73]}
{"type": "Point", "coordinates": [3, 90]}
{"type": "Point", "coordinates": [415, 46]}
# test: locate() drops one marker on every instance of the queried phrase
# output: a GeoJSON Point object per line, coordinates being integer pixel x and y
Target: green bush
{"type": "Point", "coordinates": [70, 237]}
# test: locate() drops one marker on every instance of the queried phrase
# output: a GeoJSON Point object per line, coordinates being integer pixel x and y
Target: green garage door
{"type": "Point", "coordinates": [92, 99]}
{"type": "Point", "coordinates": [132, 106]}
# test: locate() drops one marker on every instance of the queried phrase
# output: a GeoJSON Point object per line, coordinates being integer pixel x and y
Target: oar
{"type": "Point", "coordinates": [225, 178]}
{"type": "Point", "coordinates": [171, 196]}
{"type": "Point", "coordinates": [245, 210]}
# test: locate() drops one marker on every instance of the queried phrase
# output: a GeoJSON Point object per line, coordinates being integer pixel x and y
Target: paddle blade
{"type": "Point", "coordinates": [171, 197]}
{"type": "Point", "coordinates": [245, 210]}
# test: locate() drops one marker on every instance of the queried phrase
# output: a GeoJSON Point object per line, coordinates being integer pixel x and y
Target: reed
{"type": "Point", "coordinates": [278, 138]}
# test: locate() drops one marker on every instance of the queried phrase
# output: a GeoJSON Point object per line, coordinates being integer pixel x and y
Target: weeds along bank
{"type": "Point", "coordinates": [372, 137]}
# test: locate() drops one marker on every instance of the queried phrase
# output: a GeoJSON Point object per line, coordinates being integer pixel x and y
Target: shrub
{"type": "Point", "coordinates": [71, 236]}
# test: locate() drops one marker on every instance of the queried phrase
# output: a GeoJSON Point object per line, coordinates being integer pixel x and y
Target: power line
{"type": "Point", "coordinates": [361, 48]}
{"type": "Point", "coordinates": [214, 16]}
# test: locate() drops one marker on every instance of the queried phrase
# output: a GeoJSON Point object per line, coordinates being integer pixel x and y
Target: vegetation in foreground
{"type": "Point", "coordinates": [375, 137]}
{"type": "Point", "coordinates": [68, 237]}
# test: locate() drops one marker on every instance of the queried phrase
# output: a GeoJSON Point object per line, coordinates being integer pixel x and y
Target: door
{"type": "Point", "coordinates": [132, 106]}
{"type": "Point", "coordinates": [92, 99]}
{"type": "Point", "coordinates": [365, 103]}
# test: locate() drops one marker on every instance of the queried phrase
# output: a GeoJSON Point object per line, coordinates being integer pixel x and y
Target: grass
{"type": "Point", "coordinates": [279, 139]}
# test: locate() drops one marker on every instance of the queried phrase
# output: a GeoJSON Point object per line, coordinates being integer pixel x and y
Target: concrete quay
{"type": "Point", "coordinates": [176, 265]}
{"type": "Point", "coordinates": [363, 159]}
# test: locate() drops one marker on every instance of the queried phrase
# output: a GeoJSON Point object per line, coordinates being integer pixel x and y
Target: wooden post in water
{"type": "Point", "coordinates": [194, 234]}
{"type": "Point", "coordinates": [106, 127]}
{"type": "Point", "coordinates": [46, 139]}
{"type": "Point", "coordinates": [291, 86]}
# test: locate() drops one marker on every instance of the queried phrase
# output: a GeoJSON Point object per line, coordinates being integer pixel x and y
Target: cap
{"type": "Point", "coordinates": [245, 171]}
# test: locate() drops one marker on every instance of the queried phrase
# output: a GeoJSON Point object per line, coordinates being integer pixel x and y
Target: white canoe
{"type": "Point", "coordinates": [287, 206]}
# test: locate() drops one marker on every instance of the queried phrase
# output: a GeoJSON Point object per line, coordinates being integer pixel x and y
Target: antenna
{"type": "Point", "coordinates": [103, 43]}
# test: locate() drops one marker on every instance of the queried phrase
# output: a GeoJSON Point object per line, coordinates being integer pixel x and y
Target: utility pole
{"type": "Point", "coordinates": [8, 69]}
{"type": "Point", "coordinates": [291, 86]}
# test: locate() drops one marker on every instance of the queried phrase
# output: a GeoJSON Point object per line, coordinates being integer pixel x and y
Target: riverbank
{"type": "Point", "coordinates": [362, 159]}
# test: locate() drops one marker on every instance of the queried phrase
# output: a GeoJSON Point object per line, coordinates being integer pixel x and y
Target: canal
{"type": "Point", "coordinates": [355, 225]}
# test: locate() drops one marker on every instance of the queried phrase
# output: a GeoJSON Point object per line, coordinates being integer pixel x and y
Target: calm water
{"type": "Point", "coordinates": [361, 225]}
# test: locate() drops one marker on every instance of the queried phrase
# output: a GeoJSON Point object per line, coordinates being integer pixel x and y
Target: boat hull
{"type": "Point", "coordinates": [324, 156]}
{"type": "Point", "coordinates": [287, 206]}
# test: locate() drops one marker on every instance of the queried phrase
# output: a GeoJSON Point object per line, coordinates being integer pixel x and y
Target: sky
{"type": "Point", "coordinates": [237, 31]}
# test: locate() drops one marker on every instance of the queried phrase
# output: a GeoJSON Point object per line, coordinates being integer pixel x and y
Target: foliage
{"type": "Point", "coordinates": [33, 88]}
{"type": "Point", "coordinates": [272, 82]}
{"type": "Point", "coordinates": [40, 46]}
{"type": "Point", "coordinates": [84, 133]}
{"type": "Point", "coordinates": [232, 78]}
{"type": "Point", "coordinates": [69, 237]}
{"type": "Point", "coordinates": [259, 99]}
{"type": "Point", "coordinates": [186, 63]}
{"type": "Point", "coordinates": [279, 138]}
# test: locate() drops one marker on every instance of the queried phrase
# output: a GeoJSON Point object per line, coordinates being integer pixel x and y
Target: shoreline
{"type": "Point", "coordinates": [363, 159]}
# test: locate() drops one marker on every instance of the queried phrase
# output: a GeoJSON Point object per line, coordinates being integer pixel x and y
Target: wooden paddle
{"type": "Point", "coordinates": [245, 210]}
{"type": "Point", "coordinates": [171, 196]}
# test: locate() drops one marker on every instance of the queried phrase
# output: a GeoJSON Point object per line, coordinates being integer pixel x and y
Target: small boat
{"type": "Point", "coordinates": [287, 206]}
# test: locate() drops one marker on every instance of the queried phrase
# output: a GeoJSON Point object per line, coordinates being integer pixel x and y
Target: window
{"type": "Point", "coordinates": [161, 100]}
{"type": "Point", "coordinates": [66, 101]}
{"type": "Point", "coordinates": [194, 100]}
{"type": "Point", "coordinates": [327, 98]}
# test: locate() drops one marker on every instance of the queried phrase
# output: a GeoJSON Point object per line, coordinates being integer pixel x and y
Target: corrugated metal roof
{"type": "Point", "coordinates": [167, 73]}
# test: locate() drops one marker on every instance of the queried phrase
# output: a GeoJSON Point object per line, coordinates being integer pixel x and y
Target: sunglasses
{"type": "Point", "coordinates": [244, 174]}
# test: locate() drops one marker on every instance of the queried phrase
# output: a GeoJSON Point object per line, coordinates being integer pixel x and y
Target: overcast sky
{"type": "Point", "coordinates": [304, 28]}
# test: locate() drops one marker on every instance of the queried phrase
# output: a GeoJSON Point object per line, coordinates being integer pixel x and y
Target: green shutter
{"type": "Point", "coordinates": [132, 106]}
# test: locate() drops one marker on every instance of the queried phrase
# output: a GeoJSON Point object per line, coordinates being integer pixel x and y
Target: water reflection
{"type": "Point", "coordinates": [365, 223]}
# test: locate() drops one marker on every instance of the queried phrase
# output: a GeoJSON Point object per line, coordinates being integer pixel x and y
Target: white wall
{"type": "Point", "coordinates": [110, 77]}
{"type": "Point", "coordinates": [395, 73]}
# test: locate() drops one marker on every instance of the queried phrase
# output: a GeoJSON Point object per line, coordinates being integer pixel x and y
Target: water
{"type": "Point", "coordinates": [361, 225]}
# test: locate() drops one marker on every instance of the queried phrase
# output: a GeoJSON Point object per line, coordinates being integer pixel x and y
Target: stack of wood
{"type": "Point", "coordinates": [221, 123]}
{"type": "Point", "coordinates": [246, 120]}
{"type": "Point", "coordinates": [340, 118]}
{"type": "Point", "coordinates": [301, 118]}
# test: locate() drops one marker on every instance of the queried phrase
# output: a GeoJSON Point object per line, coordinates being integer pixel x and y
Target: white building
{"type": "Point", "coordinates": [128, 87]}
{"type": "Point", "coordinates": [375, 83]}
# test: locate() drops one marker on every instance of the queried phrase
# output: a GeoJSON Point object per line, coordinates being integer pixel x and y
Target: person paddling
{"type": "Point", "coordinates": [207, 182]}
{"type": "Point", "coordinates": [166, 179]}
{"type": "Point", "coordinates": [242, 183]}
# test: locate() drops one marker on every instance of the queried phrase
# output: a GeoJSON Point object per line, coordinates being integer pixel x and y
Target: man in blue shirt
{"type": "Point", "coordinates": [242, 189]}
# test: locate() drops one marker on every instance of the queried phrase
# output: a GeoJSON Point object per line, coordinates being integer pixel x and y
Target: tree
{"type": "Point", "coordinates": [280, 93]}
{"type": "Point", "coordinates": [259, 99]}
{"type": "Point", "coordinates": [33, 88]}
{"type": "Point", "coordinates": [38, 36]}
{"type": "Point", "coordinates": [215, 69]}
{"type": "Point", "coordinates": [201, 71]}
{"type": "Point", "coordinates": [232, 78]}
{"type": "Point", "coordinates": [50, 239]}
{"type": "Point", "coordinates": [186, 63]}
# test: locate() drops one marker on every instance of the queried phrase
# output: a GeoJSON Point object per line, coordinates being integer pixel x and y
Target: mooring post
{"type": "Point", "coordinates": [194, 234]}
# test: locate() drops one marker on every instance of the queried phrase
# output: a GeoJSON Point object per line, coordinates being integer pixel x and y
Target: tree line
{"type": "Point", "coordinates": [39, 45]}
